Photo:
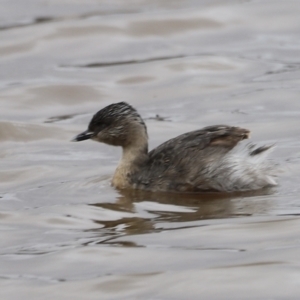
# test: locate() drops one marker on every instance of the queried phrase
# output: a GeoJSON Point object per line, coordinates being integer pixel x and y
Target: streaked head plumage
{"type": "Point", "coordinates": [113, 125]}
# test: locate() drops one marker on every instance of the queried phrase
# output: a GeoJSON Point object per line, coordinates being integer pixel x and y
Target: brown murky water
{"type": "Point", "coordinates": [65, 232]}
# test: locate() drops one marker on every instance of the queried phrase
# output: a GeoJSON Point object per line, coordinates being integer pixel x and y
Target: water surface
{"type": "Point", "coordinates": [65, 232]}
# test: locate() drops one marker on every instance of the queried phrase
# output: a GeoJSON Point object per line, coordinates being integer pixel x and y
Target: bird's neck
{"type": "Point", "coordinates": [134, 156]}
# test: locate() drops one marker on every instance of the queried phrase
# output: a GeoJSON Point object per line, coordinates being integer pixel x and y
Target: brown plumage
{"type": "Point", "coordinates": [214, 158]}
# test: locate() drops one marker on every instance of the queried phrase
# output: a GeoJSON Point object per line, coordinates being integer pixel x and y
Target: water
{"type": "Point", "coordinates": [64, 231]}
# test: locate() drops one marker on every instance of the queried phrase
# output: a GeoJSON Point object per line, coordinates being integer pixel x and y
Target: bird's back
{"type": "Point", "coordinates": [208, 159]}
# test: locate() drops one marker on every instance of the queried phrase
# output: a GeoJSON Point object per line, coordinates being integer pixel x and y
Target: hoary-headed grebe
{"type": "Point", "coordinates": [214, 158]}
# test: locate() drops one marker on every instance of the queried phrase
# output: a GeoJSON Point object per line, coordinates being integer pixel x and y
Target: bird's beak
{"type": "Point", "coordinates": [83, 136]}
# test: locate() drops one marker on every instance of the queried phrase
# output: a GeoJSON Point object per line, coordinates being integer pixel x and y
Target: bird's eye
{"type": "Point", "coordinates": [97, 127]}
{"type": "Point", "coordinates": [102, 126]}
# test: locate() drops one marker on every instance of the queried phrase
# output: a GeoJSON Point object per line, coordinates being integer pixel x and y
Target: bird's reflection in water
{"type": "Point", "coordinates": [156, 212]}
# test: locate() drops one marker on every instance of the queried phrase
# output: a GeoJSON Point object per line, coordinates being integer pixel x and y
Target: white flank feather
{"type": "Point", "coordinates": [240, 169]}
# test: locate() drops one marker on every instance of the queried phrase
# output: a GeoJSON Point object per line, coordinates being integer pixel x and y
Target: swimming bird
{"type": "Point", "coordinates": [215, 158]}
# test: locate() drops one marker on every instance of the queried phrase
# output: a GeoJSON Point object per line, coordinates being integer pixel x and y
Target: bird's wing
{"type": "Point", "coordinates": [222, 136]}
{"type": "Point", "coordinates": [182, 163]}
